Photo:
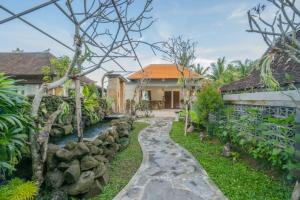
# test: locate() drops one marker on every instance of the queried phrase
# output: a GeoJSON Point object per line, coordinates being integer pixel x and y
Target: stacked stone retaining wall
{"type": "Point", "coordinates": [80, 169]}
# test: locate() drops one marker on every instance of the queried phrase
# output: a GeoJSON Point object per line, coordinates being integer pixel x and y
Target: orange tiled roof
{"type": "Point", "coordinates": [162, 71]}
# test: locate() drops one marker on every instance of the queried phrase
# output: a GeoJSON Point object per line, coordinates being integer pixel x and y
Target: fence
{"type": "Point", "coordinates": [268, 116]}
{"type": "Point", "coordinates": [273, 124]}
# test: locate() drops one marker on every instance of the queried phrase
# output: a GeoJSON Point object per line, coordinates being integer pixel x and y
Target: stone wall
{"type": "Point", "coordinates": [80, 169]}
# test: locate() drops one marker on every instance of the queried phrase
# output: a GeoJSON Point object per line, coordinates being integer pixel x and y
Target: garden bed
{"type": "Point", "coordinates": [237, 180]}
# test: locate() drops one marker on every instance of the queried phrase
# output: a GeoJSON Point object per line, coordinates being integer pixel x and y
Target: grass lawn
{"type": "Point", "coordinates": [238, 181]}
{"type": "Point", "coordinates": [124, 165]}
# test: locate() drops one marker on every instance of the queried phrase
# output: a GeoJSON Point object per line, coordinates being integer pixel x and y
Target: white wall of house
{"type": "Point", "coordinates": [157, 94]}
{"type": "Point", "coordinates": [28, 89]}
{"type": "Point", "coordinates": [157, 87]}
{"type": "Point", "coordinates": [129, 91]}
{"type": "Point", "coordinates": [31, 89]}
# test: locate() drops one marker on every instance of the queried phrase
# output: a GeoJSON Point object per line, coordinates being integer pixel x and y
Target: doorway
{"type": "Point", "coordinates": [176, 101]}
{"type": "Point", "coordinates": [168, 99]}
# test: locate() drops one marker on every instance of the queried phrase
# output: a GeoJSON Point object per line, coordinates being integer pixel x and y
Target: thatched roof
{"type": "Point", "coordinates": [21, 63]}
{"type": "Point", "coordinates": [281, 65]}
{"type": "Point", "coordinates": [27, 66]}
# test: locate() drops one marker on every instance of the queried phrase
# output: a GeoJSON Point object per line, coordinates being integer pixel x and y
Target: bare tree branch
{"type": "Point", "coordinates": [282, 32]}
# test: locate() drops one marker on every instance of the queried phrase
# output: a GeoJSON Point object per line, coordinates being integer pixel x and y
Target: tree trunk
{"type": "Point", "coordinates": [37, 165]}
{"type": "Point", "coordinates": [296, 192]}
{"type": "Point", "coordinates": [36, 155]}
{"type": "Point", "coordinates": [39, 146]}
{"type": "Point", "coordinates": [186, 119]}
{"type": "Point", "coordinates": [187, 110]}
{"type": "Point", "coordinates": [78, 110]}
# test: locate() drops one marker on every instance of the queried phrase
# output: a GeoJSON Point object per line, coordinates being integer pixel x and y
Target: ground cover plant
{"type": "Point", "coordinates": [236, 179]}
{"type": "Point", "coordinates": [18, 189]}
{"type": "Point", "coordinates": [124, 165]}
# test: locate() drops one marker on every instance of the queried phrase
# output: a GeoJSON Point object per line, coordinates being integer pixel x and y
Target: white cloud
{"type": "Point", "coordinates": [204, 61]}
{"type": "Point", "coordinates": [239, 15]}
{"type": "Point", "coordinates": [163, 29]}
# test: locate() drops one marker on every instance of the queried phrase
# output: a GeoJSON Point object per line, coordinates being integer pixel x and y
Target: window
{"type": "Point", "coordinates": [146, 95]}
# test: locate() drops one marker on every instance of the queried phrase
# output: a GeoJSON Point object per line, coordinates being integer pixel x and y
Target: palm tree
{"type": "Point", "coordinates": [201, 70]}
{"type": "Point", "coordinates": [244, 68]}
{"type": "Point", "coordinates": [218, 70]}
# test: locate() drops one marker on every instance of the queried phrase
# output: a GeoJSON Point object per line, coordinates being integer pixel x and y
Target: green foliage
{"type": "Point", "coordinates": [192, 114]}
{"type": "Point", "coordinates": [201, 70]}
{"type": "Point", "coordinates": [62, 117]}
{"type": "Point", "coordinates": [223, 73]}
{"type": "Point", "coordinates": [237, 180]}
{"type": "Point", "coordinates": [58, 66]}
{"type": "Point", "coordinates": [266, 72]}
{"type": "Point", "coordinates": [91, 102]}
{"type": "Point", "coordinates": [244, 68]}
{"type": "Point", "coordinates": [209, 100]}
{"type": "Point", "coordinates": [14, 125]}
{"type": "Point", "coordinates": [46, 71]}
{"type": "Point", "coordinates": [218, 70]}
{"type": "Point", "coordinates": [18, 189]}
{"type": "Point", "coordinates": [254, 135]}
{"type": "Point", "coordinates": [124, 165]}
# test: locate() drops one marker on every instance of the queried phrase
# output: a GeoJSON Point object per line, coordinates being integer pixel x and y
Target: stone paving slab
{"type": "Point", "coordinates": [168, 172]}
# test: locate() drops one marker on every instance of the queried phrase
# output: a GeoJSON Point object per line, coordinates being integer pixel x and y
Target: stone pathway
{"type": "Point", "coordinates": [168, 172]}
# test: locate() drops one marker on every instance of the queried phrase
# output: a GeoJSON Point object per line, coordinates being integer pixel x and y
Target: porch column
{"type": "Point", "coordinates": [172, 106]}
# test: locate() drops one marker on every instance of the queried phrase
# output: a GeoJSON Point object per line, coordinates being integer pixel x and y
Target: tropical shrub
{"type": "Point", "coordinates": [209, 100]}
{"type": "Point", "coordinates": [91, 104]}
{"type": "Point", "coordinates": [59, 66]}
{"type": "Point", "coordinates": [18, 189]}
{"type": "Point", "coordinates": [193, 115]}
{"type": "Point", "coordinates": [14, 125]}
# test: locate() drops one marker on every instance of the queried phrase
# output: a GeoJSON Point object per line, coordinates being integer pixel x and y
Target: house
{"type": "Point", "coordinates": [156, 83]}
{"type": "Point", "coordinates": [26, 67]}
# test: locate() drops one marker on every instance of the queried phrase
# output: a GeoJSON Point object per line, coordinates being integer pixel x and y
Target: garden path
{"type": "Point", "coordinates": [168, 172]}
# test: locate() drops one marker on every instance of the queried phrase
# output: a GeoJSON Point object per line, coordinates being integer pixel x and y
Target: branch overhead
{"type": "Point", "coordinates": [105, 31]}
{"type": "Point", "coordinates": [282, 31]}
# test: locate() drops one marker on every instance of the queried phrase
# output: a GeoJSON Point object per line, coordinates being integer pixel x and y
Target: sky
{"type": "Point", "coordinates": [218, 26]}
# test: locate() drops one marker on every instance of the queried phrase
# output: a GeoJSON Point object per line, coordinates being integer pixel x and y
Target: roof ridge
{"type": "Point", "coordinates": [161, 71]}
